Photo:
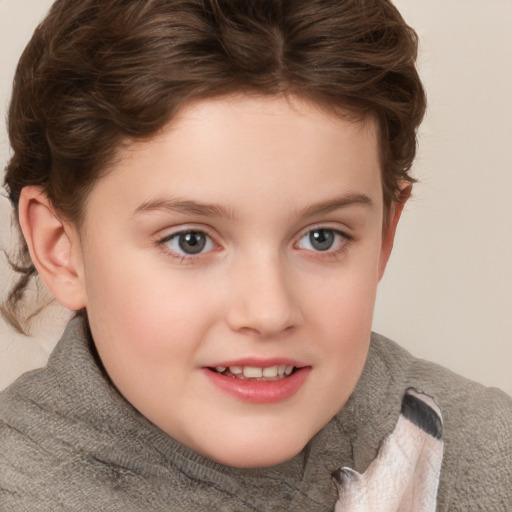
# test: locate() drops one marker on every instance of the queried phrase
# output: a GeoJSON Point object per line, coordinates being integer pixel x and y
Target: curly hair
{"type": "Point", "coordinates": [98, 73]}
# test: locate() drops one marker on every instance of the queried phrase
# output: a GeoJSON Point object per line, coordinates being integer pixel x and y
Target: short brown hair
{"type": "Point", "coordinates": [99, 72]}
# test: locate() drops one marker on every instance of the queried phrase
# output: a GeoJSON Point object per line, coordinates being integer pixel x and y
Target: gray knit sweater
{"type": "Point", "coordinates": [70, 442]}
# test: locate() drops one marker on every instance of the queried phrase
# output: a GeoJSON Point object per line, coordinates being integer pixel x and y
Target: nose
{"type": "Point", "coordinates": [263, 299]}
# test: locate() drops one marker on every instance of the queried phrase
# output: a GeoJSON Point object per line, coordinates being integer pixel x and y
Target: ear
{"type": "Point", "coordinates": [388, 234]}
{"type": "Point", "coordinates": [54, 248]}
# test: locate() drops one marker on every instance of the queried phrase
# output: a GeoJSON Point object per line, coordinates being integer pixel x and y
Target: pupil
{"type": "Point", "coordinates": [321, 239]}
{"type": "Point", "coordinates": [192, 243]}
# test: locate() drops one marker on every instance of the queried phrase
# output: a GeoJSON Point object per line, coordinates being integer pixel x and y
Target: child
{"type": "Point", "coordinates": [214, 186]}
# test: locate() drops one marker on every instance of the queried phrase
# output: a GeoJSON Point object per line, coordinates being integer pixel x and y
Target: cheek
{"type": "Point", "coordinates": [341, 310]}
{"type": "Point", "coordinates": [346, 323]}
{"type": "Point", "coordinates": [146, 306]}
{"type": "Point", "coordinates": [344, 298]}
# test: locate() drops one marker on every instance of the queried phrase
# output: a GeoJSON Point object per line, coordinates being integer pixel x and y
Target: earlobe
{"type": "Point", "coordinates": [54, 248]}
{"type": "Point", "coordinates": [388, 235]}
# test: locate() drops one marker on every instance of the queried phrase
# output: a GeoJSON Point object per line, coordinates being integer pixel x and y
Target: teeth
{"type": "Point", "coordinates": [272, 371]}
{"type": "Point", "coordinates": [250, 371]}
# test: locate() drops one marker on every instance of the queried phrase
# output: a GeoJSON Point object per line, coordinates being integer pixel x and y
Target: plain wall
{"type": "Point", "coordinates": [447, 293]}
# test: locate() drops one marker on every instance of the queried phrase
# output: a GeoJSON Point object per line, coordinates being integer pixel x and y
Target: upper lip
{"type": "Point", "coordinates": [260, 363]}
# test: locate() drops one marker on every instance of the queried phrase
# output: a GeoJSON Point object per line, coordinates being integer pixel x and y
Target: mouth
{"type": "Point", "coordinates": [255, 373]}
{"type": "Point", "coordinates": [257, 381]}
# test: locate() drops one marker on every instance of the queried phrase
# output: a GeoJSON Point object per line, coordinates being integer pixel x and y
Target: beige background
{"type": "Point", "coordinates": [447, 295]}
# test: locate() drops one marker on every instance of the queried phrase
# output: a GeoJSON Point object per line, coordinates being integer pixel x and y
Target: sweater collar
{"type": "Point", "coordinates": [350, 439]}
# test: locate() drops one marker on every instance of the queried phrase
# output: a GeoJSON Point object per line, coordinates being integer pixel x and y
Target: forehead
{"type": "Point", "coordinates": [242, 146]}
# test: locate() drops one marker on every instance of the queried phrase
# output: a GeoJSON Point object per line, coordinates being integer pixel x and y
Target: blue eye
{"type": "Point", "coordinates": [322, 240]}
{"type": "Point", "coordinates": [189, 242]}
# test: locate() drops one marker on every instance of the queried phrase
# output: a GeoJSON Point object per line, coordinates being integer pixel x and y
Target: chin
{"type": "Point", "coordinates": [254, 460]}
{"type": "Point", "coordinates": [253, 454]}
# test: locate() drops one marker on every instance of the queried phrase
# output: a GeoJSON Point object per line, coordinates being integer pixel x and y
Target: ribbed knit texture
{"type": "Point", "coordinates": [70, 442]}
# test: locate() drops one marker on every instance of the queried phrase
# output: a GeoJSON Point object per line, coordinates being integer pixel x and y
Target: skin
{"type": "Point", "coordinates": [274, 169]}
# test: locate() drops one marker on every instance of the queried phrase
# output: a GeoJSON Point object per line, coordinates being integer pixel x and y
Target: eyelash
{"type": "Point", "coordinates": [328, 254]}
{"type": "Point", "coordinates": [183, 257]}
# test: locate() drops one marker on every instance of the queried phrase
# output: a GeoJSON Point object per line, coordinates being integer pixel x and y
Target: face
{"type": "Point", "coordinates": [229, 269]}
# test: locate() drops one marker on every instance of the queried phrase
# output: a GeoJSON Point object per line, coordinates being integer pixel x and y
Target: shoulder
{"type": "Point", "coordinates": [460, 398]}
{"type": "Point", "coordinates": [477, 431]}
{"type": "Point", "coordinates": [30, 453]}
{"type": "Point", "coordinates": [50, 449]}
{"type": "Point", "coordinates": [22, 457]}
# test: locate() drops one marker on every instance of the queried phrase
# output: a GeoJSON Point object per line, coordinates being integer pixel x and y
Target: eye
{"type": "Point", "coordinates": [322, 240]}
{"type": "Point", "coordinates": [189, 242]}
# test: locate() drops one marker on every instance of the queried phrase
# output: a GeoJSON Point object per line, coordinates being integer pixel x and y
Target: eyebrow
{"type": "Point", "coordinates": [213, 210]}
{"type": "Point", "coordinates": [184, 206]}
{"type": "Point", "coordinates": [337, 203]}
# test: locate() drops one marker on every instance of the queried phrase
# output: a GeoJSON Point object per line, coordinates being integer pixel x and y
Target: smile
{"type": "Point", "coordinates": [269, 373]}
{"type": "Point", "coordinates": [262, 383]}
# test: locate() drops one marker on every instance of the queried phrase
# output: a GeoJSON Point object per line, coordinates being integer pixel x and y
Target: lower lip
{"type": "Point", "coordinates": [257, 391]}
